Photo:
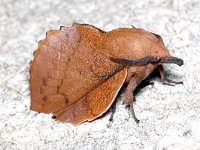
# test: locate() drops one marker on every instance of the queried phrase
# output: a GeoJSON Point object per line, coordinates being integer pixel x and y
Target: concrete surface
{"type": "Point", "coordinates": [170, 115]}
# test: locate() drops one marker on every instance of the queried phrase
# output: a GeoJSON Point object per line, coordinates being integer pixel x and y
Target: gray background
{"type": "Point", "coordinates": [170, 115]}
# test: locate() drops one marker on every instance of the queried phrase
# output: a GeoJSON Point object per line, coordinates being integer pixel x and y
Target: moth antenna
{"type": "Point", "coordinates": [147, 60]}
{"type": "Point", "coordinates": [136, 62]}
{"type": "Point", "coordinates": [172, 60]}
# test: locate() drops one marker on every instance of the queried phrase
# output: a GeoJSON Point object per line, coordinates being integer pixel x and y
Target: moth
{"type": "Point", "coordinates": [78, 71]}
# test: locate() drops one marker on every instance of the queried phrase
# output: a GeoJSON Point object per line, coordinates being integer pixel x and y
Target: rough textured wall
{"type": "Point", "coordinates": [169, 115]}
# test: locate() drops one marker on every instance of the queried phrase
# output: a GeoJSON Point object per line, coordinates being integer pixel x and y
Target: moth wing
{"type": "Point", "coordinates": [95, 103]}
{"type": "Point", "coordinates": [67, 66]}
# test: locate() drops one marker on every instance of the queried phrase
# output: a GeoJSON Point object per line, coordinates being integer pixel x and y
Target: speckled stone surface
{"type": "Point", "coordinates": [169, 115]}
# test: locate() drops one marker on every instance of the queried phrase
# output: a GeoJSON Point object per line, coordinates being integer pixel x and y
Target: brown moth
{"type": "Point", "coordinates": [78, 71]}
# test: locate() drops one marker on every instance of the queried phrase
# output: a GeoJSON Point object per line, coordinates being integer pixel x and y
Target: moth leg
{"type": "Point", "coordinates": [113, 110]}
{"type": "Point", "coordinates": [132, 80]}
{"type": "Point", "coordinates": [164, 78]}
{"type": "Point", "coordinates": [145, 83]}
{"type": "Point", "coordinates": [133, 113]}
{"type": "Point", "coordinates": [129, 97]}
